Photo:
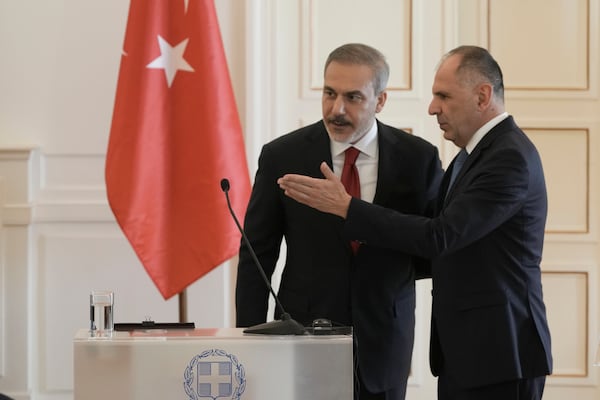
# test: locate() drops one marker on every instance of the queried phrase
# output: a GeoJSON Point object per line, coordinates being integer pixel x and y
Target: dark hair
{"type": "Point", "coordinates": [357, 53]}
{"type": "Point", "coordinates": [477, 62]}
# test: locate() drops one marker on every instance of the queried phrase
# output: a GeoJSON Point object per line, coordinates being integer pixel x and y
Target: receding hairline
{"type": "Point", "coordinates": [362, 54]}
{"type": "Point", "coordinates": [476, 65]}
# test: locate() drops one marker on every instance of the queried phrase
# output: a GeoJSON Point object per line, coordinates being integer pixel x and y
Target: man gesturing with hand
{"type": "Point", "coordinates": [489, 336]}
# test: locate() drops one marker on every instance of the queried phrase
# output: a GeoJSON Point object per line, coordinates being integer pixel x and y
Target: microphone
{"type": "Point", "coordinates": [284, 326]}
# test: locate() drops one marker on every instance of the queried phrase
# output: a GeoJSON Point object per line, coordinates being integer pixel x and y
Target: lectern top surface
{"type": "Point", "coordinates": [83, 335]}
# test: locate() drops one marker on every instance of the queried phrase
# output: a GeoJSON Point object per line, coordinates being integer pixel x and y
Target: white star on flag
{"type": "Point", "coordinates": [171, 59]}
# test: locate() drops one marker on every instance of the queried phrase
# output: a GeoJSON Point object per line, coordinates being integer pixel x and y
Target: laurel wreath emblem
{"type": "Point", "coordinates": [238, 373]}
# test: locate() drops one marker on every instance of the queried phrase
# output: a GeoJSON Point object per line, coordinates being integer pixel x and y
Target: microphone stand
{"type": "Point", "coordinates": [284, 326]}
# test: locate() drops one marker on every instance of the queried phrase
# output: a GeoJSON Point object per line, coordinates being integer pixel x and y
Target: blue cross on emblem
{"type": "Point", "coordinates": [214, 374]}
{"type": "Point", "coordinates": [214, 379]}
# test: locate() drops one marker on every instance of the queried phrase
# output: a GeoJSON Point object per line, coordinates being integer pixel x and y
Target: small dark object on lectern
{"type": "Point", "coordinates": [284, 326]}
{"type": "Point", "coordinates": [133, 326]}
{"type": "Point", "coordinates": [323, 326]}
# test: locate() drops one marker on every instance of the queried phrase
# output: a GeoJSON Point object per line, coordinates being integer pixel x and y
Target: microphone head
{"type": "Point", "coordinates": [225, 184]}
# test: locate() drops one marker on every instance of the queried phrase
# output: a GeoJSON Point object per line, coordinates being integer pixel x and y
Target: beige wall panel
{"type": "Point", "coordinates": [565, 155]}
{"type": "Point", "coordinates": [73, 172]}
{"type": "Point", "coordinates": [72, 261]}
{"type": "Point", "coordinates": [541, 44]}
{"type": "Point", "coordinates": [384, 24]}
{"type": "Point", "coordinates": [566, 298]}
{"type": "Point", "coordinates": [14, 277]}
{"type": "Point", "coordinates": [465, 22]}
{"type": "Point", "coordinates": [14, 172]}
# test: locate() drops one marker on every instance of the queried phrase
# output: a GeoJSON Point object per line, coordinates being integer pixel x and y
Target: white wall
{"type": "Point", "coordinates": [59, 62]}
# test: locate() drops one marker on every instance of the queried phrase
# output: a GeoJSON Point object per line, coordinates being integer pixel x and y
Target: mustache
{"type": "Point", "coordinates": [339, 120]}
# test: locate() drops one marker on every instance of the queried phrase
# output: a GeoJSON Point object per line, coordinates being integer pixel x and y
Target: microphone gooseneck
{"type": "Point", "coordinates": [286, 325]}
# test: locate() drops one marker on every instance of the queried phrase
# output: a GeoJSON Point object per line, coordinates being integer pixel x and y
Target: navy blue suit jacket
{"type": "Point", "coordinates": [488, 320]}
{"type": "Point", "coordinates": [372, 291]}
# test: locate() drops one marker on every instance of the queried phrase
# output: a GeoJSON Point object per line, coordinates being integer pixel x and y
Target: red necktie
{"type": "Point", "coordinates": [350, 172]}
{"type": "Point", "coordinates": [350, 180]}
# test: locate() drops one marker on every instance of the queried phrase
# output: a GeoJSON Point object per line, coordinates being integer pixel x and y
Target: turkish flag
{"type": "Point", "coordinates": [175, 134]}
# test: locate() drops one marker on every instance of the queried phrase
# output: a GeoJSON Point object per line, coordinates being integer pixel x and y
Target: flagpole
{"type": "Point", "coordinates": [183, 306]}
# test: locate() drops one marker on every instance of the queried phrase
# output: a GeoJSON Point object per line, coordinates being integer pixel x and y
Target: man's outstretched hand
{"type": "Point", "coordinates": [327, 195]}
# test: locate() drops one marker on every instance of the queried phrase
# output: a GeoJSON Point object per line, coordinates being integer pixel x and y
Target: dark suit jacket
{"type": "Point", "coordinates": [372, 291]}
{"type": "Point", "coordinates": [489, 320]}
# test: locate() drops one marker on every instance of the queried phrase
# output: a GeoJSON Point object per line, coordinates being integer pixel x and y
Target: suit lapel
{"type": "Point", "coordinates": [387, 142]}
{"type": "Point", "coordinates": [471, 161]}
{"type": "Point", "coordinates": [444, 192]}
{"type": "Point", "coordinates": [319, 150]}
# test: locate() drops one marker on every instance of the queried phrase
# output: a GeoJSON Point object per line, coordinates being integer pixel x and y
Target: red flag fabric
{"type": "Point", "coordinates": [175, 134]}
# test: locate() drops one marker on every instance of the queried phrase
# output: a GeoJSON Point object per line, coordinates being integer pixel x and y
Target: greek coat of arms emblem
{"type": "Point", "coordinates": [214, 374]}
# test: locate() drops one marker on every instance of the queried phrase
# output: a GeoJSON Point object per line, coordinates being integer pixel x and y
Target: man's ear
{"type": "Point", "coordinates": [485, 93]}
{"type": "Point", "coordinates": [381, 98]}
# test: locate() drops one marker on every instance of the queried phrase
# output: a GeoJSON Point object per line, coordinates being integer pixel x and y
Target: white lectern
{"type": "Point", "coordinates": [211, 364]}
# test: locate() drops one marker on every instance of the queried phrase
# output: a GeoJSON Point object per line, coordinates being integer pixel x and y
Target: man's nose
{"type": "Point", "coordinates": [339, 107]}
{"type": "Point", "coordinates": [433, 108]}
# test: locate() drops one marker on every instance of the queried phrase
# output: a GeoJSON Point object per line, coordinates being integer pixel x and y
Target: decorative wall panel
{"type": "Point", "coordinates": [332, 23]}
{"type": "Point", "coordinates": [565, 156]}
{"type": "Point", "coordinates": [551, 52]}
{"type": "Point", "coordinates": [566, 298]}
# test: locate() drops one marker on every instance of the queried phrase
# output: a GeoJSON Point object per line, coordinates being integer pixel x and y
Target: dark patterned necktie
{"type": "Point", "coordinates": [459, 160]}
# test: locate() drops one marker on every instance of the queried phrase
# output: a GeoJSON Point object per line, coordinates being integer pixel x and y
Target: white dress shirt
{"type": "Point", "coordinates": [481, 132]}
{"type": "Point", "coordinates": [366, 163]}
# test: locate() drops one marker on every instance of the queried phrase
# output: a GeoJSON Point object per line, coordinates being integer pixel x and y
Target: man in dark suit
{"type": "Point", "coordinates": [372, 289]}
{"type": "Point", "coordinates": [490, 338]}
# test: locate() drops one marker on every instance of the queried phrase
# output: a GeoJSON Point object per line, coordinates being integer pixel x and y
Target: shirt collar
{"type": "Point", "coordinates": [481, 132]}
{"type": "Point", "coordinates": [366, 144]}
